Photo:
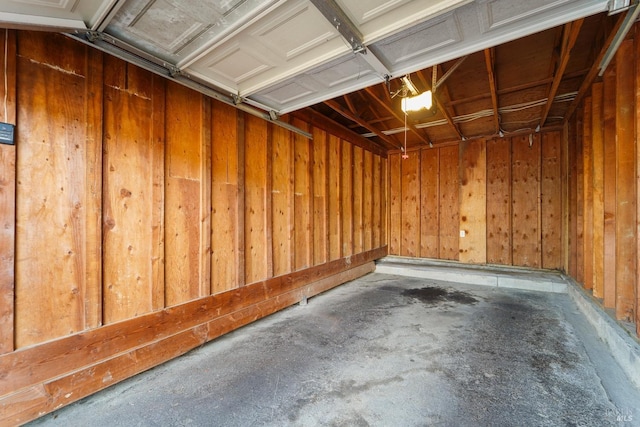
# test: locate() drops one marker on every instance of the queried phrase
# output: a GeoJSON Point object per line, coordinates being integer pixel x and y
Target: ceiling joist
{"type": "Point", "coordinates": [490, 59]}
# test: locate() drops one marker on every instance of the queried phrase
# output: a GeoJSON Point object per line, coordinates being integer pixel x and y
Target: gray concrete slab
{"type": "Point", "coordinates": [386, 350]}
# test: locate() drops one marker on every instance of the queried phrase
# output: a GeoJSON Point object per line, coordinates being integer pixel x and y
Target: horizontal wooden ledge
{"type": "Point", "coordinates": [34, 376]}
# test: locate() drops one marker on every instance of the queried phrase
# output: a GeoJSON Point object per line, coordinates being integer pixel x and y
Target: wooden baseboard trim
{"type": "Point", "coordinates": [46, 377]}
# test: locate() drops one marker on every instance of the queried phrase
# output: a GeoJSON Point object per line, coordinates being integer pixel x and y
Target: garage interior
{"type": "Point", "coordinates": [172, 171]}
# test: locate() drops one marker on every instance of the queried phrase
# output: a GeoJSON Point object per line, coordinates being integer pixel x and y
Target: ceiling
{"type": "Point", "coordinates": [496, 62]}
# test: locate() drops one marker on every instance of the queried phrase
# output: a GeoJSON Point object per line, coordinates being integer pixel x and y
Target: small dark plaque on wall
{"type": "Point", "coordinates": [7, 133]}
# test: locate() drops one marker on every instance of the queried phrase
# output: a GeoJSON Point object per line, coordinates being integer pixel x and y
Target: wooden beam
{"type": "Point", "coordinates": [340, 110]}
{"type": "Point", "coordinates": [440, 105]}
{"type": "Point", "coordinates": [593, 71]}
{"type": "Point", "coordinates": [571, 31]}
{"type": "Point", "coordinates": [397, 115]}
{"type": "Point", "coordinates": [490, 59]}
{"type": "Point", "coordinates": [316, 119]}
{"type": "Point", "coordinates": [352, 107]}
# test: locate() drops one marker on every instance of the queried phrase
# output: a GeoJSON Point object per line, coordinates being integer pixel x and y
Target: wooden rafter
{"type": "Point", "coordinates": [354, 118]}
{"type": "Point", "coordinates": [571, 31]}
{"type": "Point", "coordinates": [440, 105]}
{"type": "Point", "coordinates": [490, 59]}
{"type": "Point", "coordinates": [397, 115]}
{"type": "Point", "coordinates": [593, 71]}
{"type": "Point", "coordinates": [350, 105]}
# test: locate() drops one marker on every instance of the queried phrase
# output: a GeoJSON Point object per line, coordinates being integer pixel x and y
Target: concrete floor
{"type": "Point", "coordinates": [386, 350]}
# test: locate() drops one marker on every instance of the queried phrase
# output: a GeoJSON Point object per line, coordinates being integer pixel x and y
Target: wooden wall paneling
{"type": "Point", "coordinates": [626, 245]}
{"type": "Point", "coordinates": [597, 152]}
{"type": "Point", "coordinates": [499, 237]}
{"type": "Point", "coordinates": [637, 164]}
{"type": "Point", "coordinates": [473, 202]}
{"type": "Point", "coordinates": [525, 183]}
{"type": "Point", "coordinates": [335, 206]}
{"type": "Point", "coordinates": [7, 195]}
{"type": "Point", "coordinates": [187, 157]}
{"type": "Point", "coordinates": [282, 161]}
{"type": "Point", "coordinates": [410, 202]}
{"type": "Point", "coordinates": [227, 230]}
{"type": "Point", "coordinates": [303, 185]}
{"type": "Point", "coordinates": [378, 189]}
{"type": "Point", "coordinates": [565, 197]}
{"type": "Point", "coordinates": [367, 200]}
{"type": "Point", "coordinates": [258, 263]}
{"type": "Point", "coordinates": [395, 205]}
{"type": "Point", "coordinates": [320, 199]}
{"type": "Point", "coordinates": [429, 213]}
{"type": "Point", "coordinates": [346, 197]}
{"type": "Point", "coordinates": [609, 176]}
{"type": "Point", "coordinates": [580, 194]}
{"type": "Point", "coordinates": [449, 202]}
{"type": "Point", "coordinates": [58, 193]}
{"type": "Point", "coordinates": [551, 201]}
{"type": "Point", "coordinates": [384, 194]}
{"type": "Point", "coordinates": [133, 168]}
{"type": "Point", "coordinates": [587, 177]}
{"type": "Point", "coordinates": [572, 159]}
{"type": "Point", "coordinates": [358, 199]}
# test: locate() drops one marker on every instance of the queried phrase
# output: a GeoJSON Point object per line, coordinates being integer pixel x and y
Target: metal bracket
{"type": "Point", "coordinates": [350, 33]}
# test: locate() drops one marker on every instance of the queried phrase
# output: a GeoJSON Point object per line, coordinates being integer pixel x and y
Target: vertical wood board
{"type": "Point", "coordinates": [358, 200]}
{"type": "Point", "coordinates": [410, 202]}
{"type": "Point", "coordinates": [257, 261]}
{"type": "Point", "coordinates": [282, 161]}
{"type": "Point", "coordinates": [626, 245]}
{"type": "Point", "coordinates": [525, 182]}
{"type": "Point", "coordinates": [609, 186]}
{"type": "Point", "coordinates": [597, 151]}
{"type": "Point", "coordinates": [395, 206]}
{"type": "Point", "coordinates": [303, 185]}
{"type": "Point", "coordinates": [499, 201]}
{"type": "Point", "coordinates": [587, 176]}
{"type": "Point", "coordinates": [551, 201]}
{"type": "Point", "coordinates": [57, 292]}
{"type": "Point", "coordinates": [429, 213]}
{"type": "Point", "coordinates": [185, 151]}
{"type": "Point", "coordinates": [335, 207]}
{"type": "Point", "coordinates": [320, 199]}
{"type": "Point", "coordinates": [346, 197]}
{"type": "Point", "coordinates": [449, 203]}
{"type": "Point", "coordinates": [7, 198]}
{"type": "Point", "coordinates": [473, 202]}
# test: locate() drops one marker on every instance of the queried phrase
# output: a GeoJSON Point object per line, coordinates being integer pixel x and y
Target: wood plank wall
{"type": "Point", "coordinates": [496, 201]}
{"type": "Point", "coordinates": [604, 241]}
{"type": "Point", "coordinates": [141, 219]}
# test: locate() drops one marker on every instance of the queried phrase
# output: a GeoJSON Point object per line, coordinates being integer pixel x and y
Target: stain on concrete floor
{"type": "Point", "coordinates": [385, 351]}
